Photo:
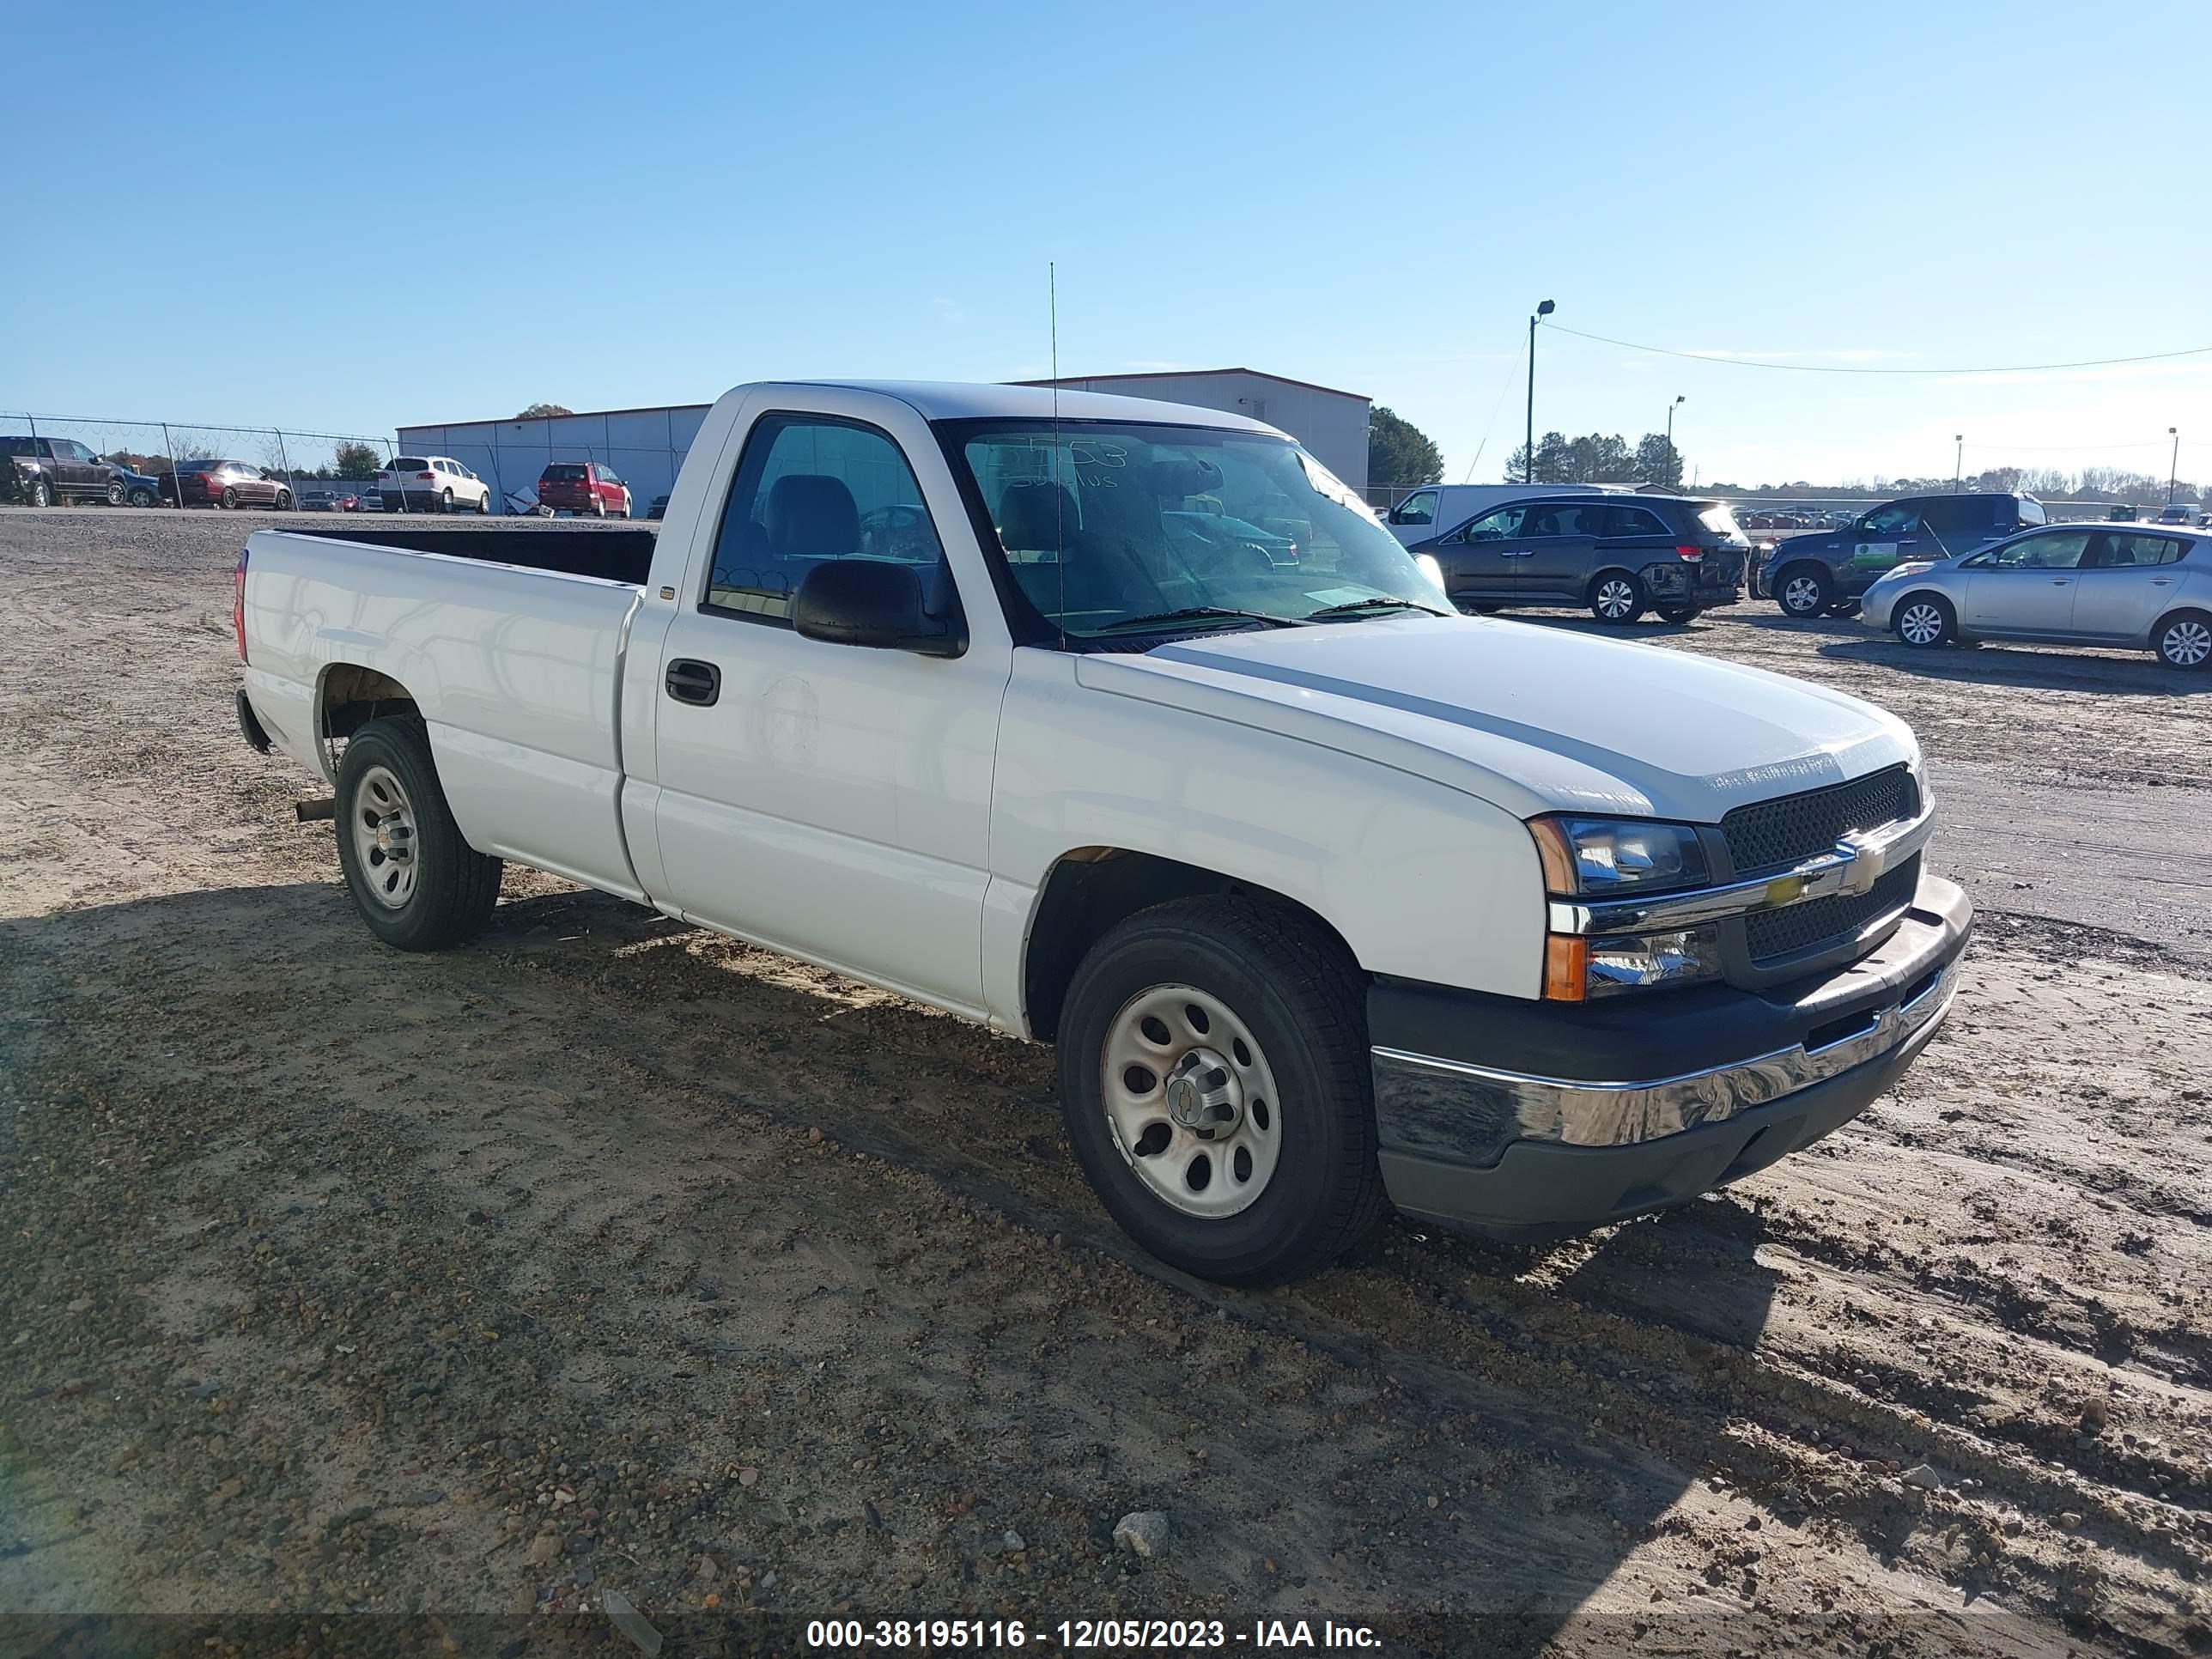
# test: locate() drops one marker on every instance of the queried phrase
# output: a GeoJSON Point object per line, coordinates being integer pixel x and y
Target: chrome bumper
{"type": "Point", "coordinates": [1579, 1114]}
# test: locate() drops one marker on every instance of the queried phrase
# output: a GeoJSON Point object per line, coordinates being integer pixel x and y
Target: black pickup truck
{"type": "Point", "coordinates": [40, 471]}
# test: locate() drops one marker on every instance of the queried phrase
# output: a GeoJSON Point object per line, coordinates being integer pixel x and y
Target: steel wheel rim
{"type": "Point", "coordinates": [1921, 625]}
{"type": "Point", "coordinates": [1190, 1101]}
{"type": "Point", "coordinates": [1801, 594]}
{"type": "Point", "coordinates": [1614, 599]}
{"type": "Point", "coordinates": [383, 840]}
{"type": "Point", "coordinates": [2186, 644]}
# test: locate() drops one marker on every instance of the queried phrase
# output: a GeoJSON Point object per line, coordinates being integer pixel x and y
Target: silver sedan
{"type": "Point", "coordinates": [2140, 586]}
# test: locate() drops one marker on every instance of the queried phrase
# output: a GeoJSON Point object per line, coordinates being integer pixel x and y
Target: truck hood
{"type": "Point", "coordinates": [1529, 717]}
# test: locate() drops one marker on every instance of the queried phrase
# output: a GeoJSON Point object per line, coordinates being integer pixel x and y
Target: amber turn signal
{"type": "Point", "coordinates": [1566, 967]}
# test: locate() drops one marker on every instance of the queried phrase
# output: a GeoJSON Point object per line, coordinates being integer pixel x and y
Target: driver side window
{"type": "Point", "coordinates": [1419, 508]}
{"type": "Point", "coordinates": [2056, 550]}
{"type": "Point", "coordinates": [1501, 524]}
{"type": "Point", "coordinates": [1898, 518]}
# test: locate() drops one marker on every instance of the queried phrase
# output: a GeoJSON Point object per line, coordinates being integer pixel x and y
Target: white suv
{"type": "Point", "coordinates": [434, 483]}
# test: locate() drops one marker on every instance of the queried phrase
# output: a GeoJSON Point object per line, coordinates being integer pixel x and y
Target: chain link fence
{"type": "Point", "coordinates": [151, 447]}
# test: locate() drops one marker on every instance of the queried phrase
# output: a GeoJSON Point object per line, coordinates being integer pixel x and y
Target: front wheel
{"type": "Point", "coordinates": [1214, 1076]}
{"type": "Point", "coordinates": [484, 505]}
{"type": "Point", "coordinates": [2185, 642]}
{"type": "Point", "coordinates": [284, 500]}
{"type": "Point", "coordinates": [1925, 620]}
{"type": "Point", "coordinates": [1679, 615]}
{"type": "Point", "coordinates": [1617, 598]}
{"type": "Point", "coordinates": [1806, 591]}
{"type": "Point", "coordinates": [417, 884]}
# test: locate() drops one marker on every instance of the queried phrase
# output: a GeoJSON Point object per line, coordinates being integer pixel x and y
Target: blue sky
{"type": "Point", "coordinates": [323, 218]}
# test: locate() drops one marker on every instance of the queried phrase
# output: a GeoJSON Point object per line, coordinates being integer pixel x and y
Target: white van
{"type": "Point", "coordinates": [1433, 509]}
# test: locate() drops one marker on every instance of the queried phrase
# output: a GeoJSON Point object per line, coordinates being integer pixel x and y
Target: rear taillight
{"type": "Point", "coordinates": [426, 478]}
{"type": "Point", "coordinates": [1689, 551]}
{"type": "Point", "coordinates": [238, 605]}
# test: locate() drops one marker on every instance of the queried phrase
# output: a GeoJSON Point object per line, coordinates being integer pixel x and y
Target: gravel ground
{"type": "Point", "coordinates": [353, 1301]}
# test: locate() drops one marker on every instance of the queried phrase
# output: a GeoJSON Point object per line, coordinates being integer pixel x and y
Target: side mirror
{"type": "Point", "coordinates": [871, 602]}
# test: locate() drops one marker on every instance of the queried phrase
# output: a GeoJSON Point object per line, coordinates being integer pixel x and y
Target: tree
{"type": "Point", "coordinates": [539, 411]}
{"type": "Point", "coordinates": [1555, 461]}
{"type": "Point", "coordinates": [1658, 461]}
{"type": "Point", "coordinates": [1398, 451]}
{"type": "Point", "coordinates": [357, 461]}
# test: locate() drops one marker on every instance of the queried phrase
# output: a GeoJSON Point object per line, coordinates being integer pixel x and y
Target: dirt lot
{"type": "Point", "coordinates": [356, 1301]}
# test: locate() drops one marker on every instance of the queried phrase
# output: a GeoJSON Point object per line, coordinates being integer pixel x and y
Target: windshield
{"type": "Point", "coordinates": [1112, 529]}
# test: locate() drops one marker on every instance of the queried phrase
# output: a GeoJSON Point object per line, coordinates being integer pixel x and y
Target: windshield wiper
{"type": "Point", "coordinates": [1200, 612]}
{"type": "Point", "coordinates": [1380, 602]}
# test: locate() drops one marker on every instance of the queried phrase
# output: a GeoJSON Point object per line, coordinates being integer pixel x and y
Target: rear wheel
{"type": "Point", "coordinates": [1214, 1076]}
{"type": "Point", "coordinates": [1678, 614]}
{"type": "Point", "coordinates": [228, 498]}
{"type": "Point", "coordinates": [2184, 641]}
{"type": "Point", "coordinates": [39, 495]}
{"type": "Point", "coordinates": [416, 883]}
{"type": "Point", "coordinates": [1925, 620]}
{"type": "Point", "coordinates": [598, 507]}
{"type": "Point", "coordinates": [1805, 591]}
{"type": "Point", "coordinates": [1617, 599]}
{"type": "Point", "coordinates": [445, 501]}
{"type": "Point", "coordinates": [141, 498]}
{"type": "Point", "coordinates": [483, 504]}
{"type": "Point", "coordinates": [116, 494]}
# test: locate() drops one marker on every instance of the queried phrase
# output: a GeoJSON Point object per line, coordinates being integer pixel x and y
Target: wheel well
{"type": "Point", "coordinates": [2177, 613]}
{"type": "Point", "coordinates": [1802, 564]}
{"type": "Point", "coordinates": [1092, 889]}
{"type": "Point", "coordinates": [353, 695]}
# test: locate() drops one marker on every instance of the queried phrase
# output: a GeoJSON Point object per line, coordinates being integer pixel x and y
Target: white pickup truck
{"type": "Point", "coordinates": [1323, 893]}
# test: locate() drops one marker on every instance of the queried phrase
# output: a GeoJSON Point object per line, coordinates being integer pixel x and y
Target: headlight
{"type": "Point", "coordinates": [1430, 568]}
{"type": "Point", "coordinates": [1622, 858]}
{"type": "Point", "coordinates": [1898, 572]}
{"type": "Point", "coordinates": [1607, 857]}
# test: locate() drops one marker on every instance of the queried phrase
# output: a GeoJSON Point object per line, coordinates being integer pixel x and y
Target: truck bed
{"type": "Point", "coordinates": [568, 549]}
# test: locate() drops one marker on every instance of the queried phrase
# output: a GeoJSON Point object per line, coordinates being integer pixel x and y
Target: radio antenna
{"type": "Point", "coordinates": [1059, 495]}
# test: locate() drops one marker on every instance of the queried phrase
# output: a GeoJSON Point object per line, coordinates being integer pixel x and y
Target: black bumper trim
{"type": "Point", "coordinates": [249, 724]}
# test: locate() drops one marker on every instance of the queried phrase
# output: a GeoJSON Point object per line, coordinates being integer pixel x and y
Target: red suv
{"type": "Point", "coordinates": [583, 487]}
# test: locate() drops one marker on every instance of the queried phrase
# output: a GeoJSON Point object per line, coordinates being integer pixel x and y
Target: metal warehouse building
{"type": "Point", "coordinates": [646, 447]}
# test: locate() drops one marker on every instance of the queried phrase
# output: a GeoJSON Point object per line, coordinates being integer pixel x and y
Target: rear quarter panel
{"type": "Point", "coordinates": [514, 670]}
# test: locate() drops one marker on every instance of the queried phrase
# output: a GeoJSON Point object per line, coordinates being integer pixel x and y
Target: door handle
{"type": "Point", "coordinates": [697, 682]}
{"type": "Point", "coordinates": [2060, 582]}
{"type": "Point", "coordinates": [2161, 582]}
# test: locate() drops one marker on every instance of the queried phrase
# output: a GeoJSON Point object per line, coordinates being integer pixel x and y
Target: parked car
{"type": "Point", "coordinates": [47, 472]}
{"type": "Point", "coordinates": [2177, 512]}
{"type": "Point", "coordinates": [432, 483]}
{"type": "Point", "coordinates": [659, 509]}
{"type": "Point", "coordinates": [1325, 894]}
{"type": "Point", "coordinates": [1620, 554]}
{"type": "Point", "coordinates": [368, 501]}
{"type": "Point", "coordinates": [1436, 508]}
{"type": "Point", "coordinates": [1824, 573]}
{"type": "Point", "coordinates": [585, 487]}
{"type": "Point", "coordinates": [2123, 513]}
{"type": "Point", "coordinates": [224, 483]}
{"type": "Point", "coordinates": [139, 488]}
{"type": "Point", "coordinates": [2065, 584]}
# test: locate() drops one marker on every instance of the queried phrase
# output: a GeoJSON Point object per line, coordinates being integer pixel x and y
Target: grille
{"type": "Point", "coordinates": [1769, 834]}
{"type": "Point", "coordinates": [1795, 928]}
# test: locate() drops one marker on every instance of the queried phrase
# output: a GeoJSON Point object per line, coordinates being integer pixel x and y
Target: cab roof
{"type": "Point", "coordinates": [961, 400]}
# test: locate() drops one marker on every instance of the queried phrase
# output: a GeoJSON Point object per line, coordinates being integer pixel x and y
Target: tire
{"type": "Point", "coordinates": [446, 501]}
{"type": "Point", "coordinates": [228, 498]}
{"type": "Point", "coordinates": [598, 507]}
{"type": "Point", "coordinates": [284, 500]}
{"type": "Point", "coordinates": [1924, 621]}
{"type": "Point", "coordinates": [1617, 598]}
{"type": "Point", "coordinates": [39, 495]}
{"type": "Point", "coordinates": [1843, 608]}
{"type": "Point", "coordinates": [142, 498]}
{"type": "Point", "coordinates": [116, 494]}
{"type": "Point", "coordinates": [416, 883]}
{"type": "Point", "coordinates": [484, 505]}
{"type": "Point", "coordinates": [1804, 591]}
{"type": "Point", "coordinates": [1680, 614]}
{"type": "Point", "coordinates": [1301, 1002]}
{"type": "Point", "coordinates": [2184, 641]}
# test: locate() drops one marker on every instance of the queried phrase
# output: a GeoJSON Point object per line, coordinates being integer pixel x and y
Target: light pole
{"type": "Point", "coordinates": [1528, 450]}
{"type": "Point", "coordinates": [2174, 466]}
{"type": "Point", "coordinates": [1958, 461]}
{"type": "Point", "coordinates": [1673, 466]}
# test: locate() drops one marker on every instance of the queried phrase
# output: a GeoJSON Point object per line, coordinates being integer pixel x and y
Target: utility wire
{"type": "Point", "coordinates": [1840, 368]}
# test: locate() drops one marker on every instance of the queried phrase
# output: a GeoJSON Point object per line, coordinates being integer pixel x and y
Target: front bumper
{"type": "Point", "coordinates": [1508, 1118]}
{"type": "Point", "coordinates": [1875, 607]}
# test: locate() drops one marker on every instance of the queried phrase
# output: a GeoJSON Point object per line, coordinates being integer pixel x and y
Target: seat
{"type": "Point", "coordinates": [811, 516]}
{"type": "Point", "coordinates": [1085, 572]}
{"type": "Point", "coordinates": [1036, 518]}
